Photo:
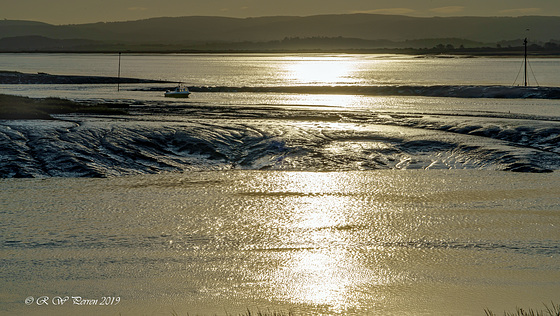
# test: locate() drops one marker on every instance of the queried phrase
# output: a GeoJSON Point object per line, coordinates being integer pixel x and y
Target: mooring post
{"type": "Point", "coordinates": [525, 44]}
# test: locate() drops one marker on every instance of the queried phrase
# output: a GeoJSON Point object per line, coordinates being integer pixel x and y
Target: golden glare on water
{"type": "Point", "coordinates": [335, 101]}
{"type": "Point", "coordinates": [327, 71]}
{"type": "Point", "coordinates": [322, 278]}
{"type": "Point", "coordinates": [324, 269]}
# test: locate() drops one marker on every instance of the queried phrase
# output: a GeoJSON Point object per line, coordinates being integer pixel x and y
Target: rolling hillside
{"type": "Point", "coordinates": [200, 29]}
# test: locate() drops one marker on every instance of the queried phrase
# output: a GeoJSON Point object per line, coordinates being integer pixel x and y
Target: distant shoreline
{"type": "Point", "coordinates": [16, 77]}
{"type": "Point", "coordinates": [467, 53]}
{"type": "Point", "coordinates": [421, 53]}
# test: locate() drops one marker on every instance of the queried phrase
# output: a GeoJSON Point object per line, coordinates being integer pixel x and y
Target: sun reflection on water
{"type": "Point", "coordinates": [322, 267]}
{"type": "Point", "coordinates": [336, 101]}
{"type": "Point", "coordinates": [324, 71]}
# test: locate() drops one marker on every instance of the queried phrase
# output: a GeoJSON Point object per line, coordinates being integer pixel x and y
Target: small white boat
{"type": "Point", "coordinates": [179, 92]}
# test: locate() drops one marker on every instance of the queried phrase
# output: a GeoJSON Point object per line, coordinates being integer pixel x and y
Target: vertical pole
{"type": "Point", "coordinates": [119, 76]}
{"type": "Point", "coordinates": [525, 44]}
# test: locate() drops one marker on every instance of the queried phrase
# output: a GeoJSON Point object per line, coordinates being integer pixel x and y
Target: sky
{"type": "Point", "coordinates": [87, 11]}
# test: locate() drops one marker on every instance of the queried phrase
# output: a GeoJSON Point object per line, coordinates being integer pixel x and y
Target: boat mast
{"type": "Point", "coordinates": [525, 44]}
{"type": "Point", "coordinates": [119, 76]}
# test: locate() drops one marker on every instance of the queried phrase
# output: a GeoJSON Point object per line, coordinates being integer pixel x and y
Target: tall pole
{"type": "Point", "coordinates": [525, 44]}
{"type": "Point", "coordinates": [119, 77]}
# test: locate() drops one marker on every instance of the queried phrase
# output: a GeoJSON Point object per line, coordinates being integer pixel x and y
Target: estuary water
{"type": "Point", "coordinates": [305, 183]}
{"type": "Point", "coordinates": [406, 242]}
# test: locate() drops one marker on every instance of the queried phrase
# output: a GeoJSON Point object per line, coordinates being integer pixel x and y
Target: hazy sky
{"type": "Point", "coordinates": [84, 11]}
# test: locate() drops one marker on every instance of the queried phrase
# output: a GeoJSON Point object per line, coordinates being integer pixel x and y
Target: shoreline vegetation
{"type": "Point", "coordinates": [441, 48]}
{"type": "Point", "coordinates": [552, 310]}
{"type": "Point", "coordinates": [24, 108]}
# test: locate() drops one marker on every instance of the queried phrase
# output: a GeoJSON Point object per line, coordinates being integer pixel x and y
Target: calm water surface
{"type": "Point", "coordinates": [378, 243]}
{"type": "Point", "coordinates": [295, 69]}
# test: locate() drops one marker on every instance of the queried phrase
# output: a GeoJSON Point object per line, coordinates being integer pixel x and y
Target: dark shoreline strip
{"type": "Point", "coordinates": [7, 77]}
{"type": "Point", "coordinates": [23, 108]}
{"type": "Point", "coordinates": [457, 91]}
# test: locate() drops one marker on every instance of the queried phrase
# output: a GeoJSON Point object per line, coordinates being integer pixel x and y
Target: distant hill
{"type": "Point", "coordinates": [201, 30]}
{"type": "Point", "coordinates": [34, 43]}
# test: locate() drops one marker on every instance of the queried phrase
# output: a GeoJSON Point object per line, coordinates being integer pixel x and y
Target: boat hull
{"type": "Point", "coordinates": [177, 95]}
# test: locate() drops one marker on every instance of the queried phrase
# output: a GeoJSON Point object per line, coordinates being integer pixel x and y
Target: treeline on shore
{"type": "Point", "coordinates": [38, 44]}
